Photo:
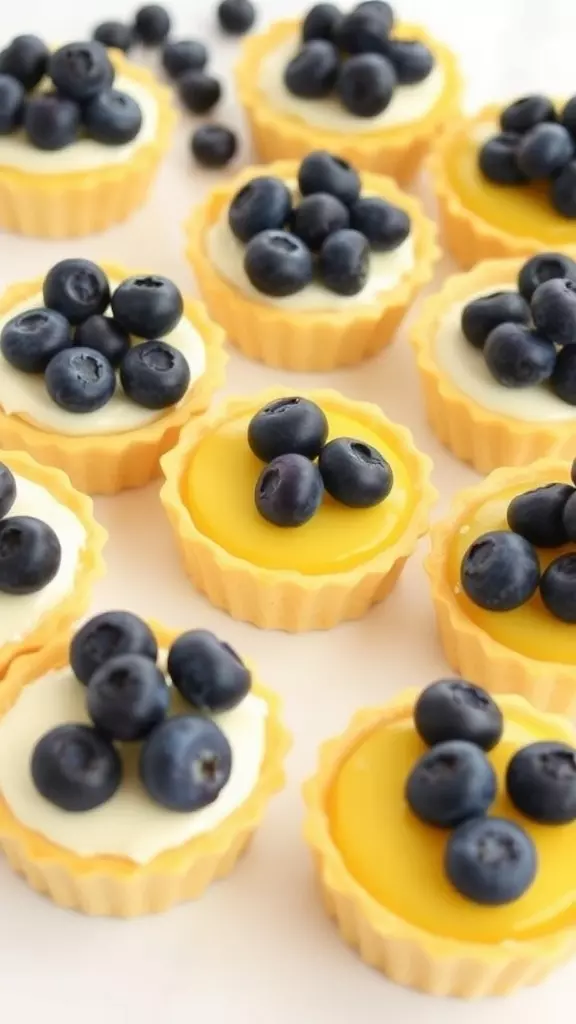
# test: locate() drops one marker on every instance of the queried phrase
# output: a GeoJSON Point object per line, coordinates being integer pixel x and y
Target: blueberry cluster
{"type": "Point", "coordinates": [354, 58]}
{"type": "Point", "coordinates": [80, 350]}
{"type": "Point", "coordinates": [328, 234]}
{"type": "Point", "coordinates": [185, 759]}
{"type": "Point", "coordinates": [501, 569]}
{"type": "Point", "coordinates": [528, 337]}
{"type": "Point", "coordinates": [491, 861]}
{"type": "Point", "coordinates": [30, 552]}
{"type": "Point", "coordinates": [288, 435]}
{"type": "Point", "coordinates": [152, 24]}
{"type": "Point", "coordinates": [536, 143]}
{"type": "Point", "coordinates": [80, 99]}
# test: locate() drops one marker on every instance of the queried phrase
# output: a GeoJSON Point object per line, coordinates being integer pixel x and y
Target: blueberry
{"type": "Point", "coordinates": [322, 172]}
{"type": "Point", "coordinates": [322, 22]}
{"type": "Point", "coordinates": [155, 374]}
{"type": "Point", "coordinates": [7, 490]}
{"type": "Point", "coordinates": [288, 426]}
{"type": "Point", "coordinates": [76, 768]}
{"type": "Point", "coordinates": [80, 380]}
{"type": "Point", "coordinates": [481, 316]}
{"type": "Point", "coordinates": [450, 783]}
{"type": "Point", "coordinates": [544, 150]}
{"type": "Point", "coordinates": [412, 60]}
{"type": "Point", "coordinates": [183, 55]}
{"type": "Point", "coordinates": [563, 191]}
{"type": "Point", "coordinates": [381, 8]}
{"type": "Point", "coordinates": [77, 289]}
{"type": "Point", "coordinates": [31, 339]}
{"type": "Point", "coordinates": [573, 472]}
{"type": "Point", "coordinates": [554, 311]}
{"type": "Point", "coordinates": [344, 262]}
{"type": "Point", "coordinates": [213, 145]}
{"type": "Point", "coordinates": [25, 58]}
{"type": "Point", "coordinates": [278, 263]}
{"type": "Point", "coordinates": [569, 512]}
{"type": "Point", "coordinates": [500, 571]}
{"type": "Point", "coordinates": [525, 113]}
{"type": "Point", "coordinates": [312, 73]}
{"type": "Point", "coordinates": [453, 709]}
{"type": "Point", "coordinates": [319, 216]}
{"type": "Point", "coordinates": [152, 24]}
{"type": "Point", "coordinates": [364, 31]}
{"type": "Point", "coordinates": [127, 697]}
{"type": "Point", "coordinates": [148, 307]}
{"type": "Point", "coordinates": [261, 205]}
{"type": "Point", "coordinates": [289, 490]}
{"type": "Point", "coordinates": [518, 357]}
{"type": "Point", "coordinates": [497, 159]}
{"type": "Point", "coordinates": [538, 515]}
{"type": "Point", "coordinates": [541, 782]}
{"type": "Point", "coordinates": [81, 70]}
{"type": "Point", "coordinates": [185, 763]}
{"type": "Point", "coordinates": [355, 473]}
{"type": "Point", "coordinates": [568, 116]}
{"type": "Point", "coordinates": [384, 225]}
{"type": "Point", "coordinates": [546, 267]}
{"type": "Point", "coordinates": [199, 91]}
{"type": "Point", "coordinates": [107, 636]}
{"type": "Point", "coordinates": [366, 84]}
{"type": "Point", "coordinates": [112, 118]}
{"type": "Point", "coordinates": [490, 861]}
{"type": "Point", "coordinates": [236, 16]}
{"type": "Point", "coordinates": [30, 555]}
{"type": "Point", "coordinates": [207, 672]}
{"type": "Point", "coordinates": [12, 96]}
{"type": "Point", "coordinates": [115, 35]}
{"type": "Point", "coordinates": [558, 588]}
{"type": "Point", "coordinates": [51, 122]}
{"type": "Point", "coordinates": [104, 335]}
{"type": "Point", "coordinates": [563, 380]}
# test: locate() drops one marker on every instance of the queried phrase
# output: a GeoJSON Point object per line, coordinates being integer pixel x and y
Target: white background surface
{"type": "Point", "coordinates": [257, 949]}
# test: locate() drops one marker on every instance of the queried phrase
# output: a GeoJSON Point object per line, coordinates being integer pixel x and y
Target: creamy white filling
{"type": "Point", "coordinates": [465, 366]}
{"type": "Point", "coordinates": [85, 154]}
{"type": "Point", "coordinates": [408, 104]}
{"type": "Point", "coordinates": [130, 824]}
{"type": "Point", "coordinates": [21, 613]}
{"type": "Point", "coordinates": [24, 394]}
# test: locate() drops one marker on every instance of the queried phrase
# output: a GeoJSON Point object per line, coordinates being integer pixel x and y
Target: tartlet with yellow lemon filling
{"type": "Point", "coordinates": [283, 541]}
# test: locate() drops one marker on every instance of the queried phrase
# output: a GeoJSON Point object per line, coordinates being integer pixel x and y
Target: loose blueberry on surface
{"type": "Point", "coordinates": [115, 35]}
{"type": "Point", "coordinates": [450, 783]}
{"type": "Point", "coordinates": [25, 58]}
{"type": "Point", "coordinates": [278, 263]}
{"type": "Point", "coordinates": [104, 335]}
{"type": "Point", "coordinates": [412, 60]}
{"type": "Point", "coordinates": [76, 768]}
{"type": "Point", "coordinates": [563, 191]}
{"type": "Point", "coordinates": [366, 84]}
{"type": "Point", "coordinates": [112, 118]}
{"type": "Point", "coordinates": [384, 225]}
{"type": "Point", "coordinates": [289, 490]}
{"type": "Point", "coordinates": [30, 555]}
{"type": "Point", "coordinates": [365, 30]}
{"type": "Point", "coordinates": [558, 588]}
{"type": "Point", "coordinates": [152, 24]}
{"type": "Point", "coordinates": [498, 162]}
{"type": "Point", "coordinates": [569, 513]}
{"type": "Point", "coordinates": [481, 316]}
{"type": "Point", "coordinates": [183, 55]}
{"type": "Point", "coordinates": [107, 636]}
{"type": "Point", "coordinates": [263, 204]}
{"type": "Point", "coordinates": [77, 289]}
{"type": "Point", "coordinates": [236, 16]}
{"type": "Point", "coordinates": [568, 116]}
{"type": "Point", "coordinates": [207, 672]}
{"type": "Point", "coordinates": [541, 782]}
{"type": "Point", "coordinates": [148, 307]}
{"type": "Point", "coordinates": [554, 311]}
{"type": "Point", "coordinates": [312, 73]}
{"type": "Point", "coordinates": [322, 172]}
{"type": "Point", "coordinates": [155, 374]}
{"type": "Point", "coordinates": [319, 216]}
{"type": "Point", "coordinates": [525, 113]}
{"type": "Point", "coordinates": [185, 763]}
{"type": "Point", "coordinates": [213, 145]}
{"type": "Point", "coordinates": [322, 22]}
{"type": "Point", "coordinates": [563, 380]}
{"type": "Point", "coordinates": [519, 357]}
{"type": "Point", "coordinates": [80, 380]}
{"type": "Point", "coordinates": [344, 262]}
{"type": "Point", "coordinates": [538, 515]}
{"type": "Point", "coordinates": [500, 571]}
{"type": "Point", "coordinates": [288, 426]}
{"type": "Point", "coordinates": [453, 709]}
{"type": "Point", "coordinates": [81, 70]}
{"type": "Point", "coordinates": [544, 150]}
{"type": "Point", "coordinates": [12, 96]}
{"type": "Point", "coordinates": [30, 340]}
{"type": "Point", "coordinates": [127, 697]}
{"type": "Point", "coordinates": [490, 861]}
{"type": "Point", "coordinates": [51, 122]}
{"type": "Point", "coordinates": [546, 267]}
{"type": "Point", "coordinates": [7, 490]}
{"type": "Point", "coordinates": [355, 473]}
{"type": "Point", "coordinates": [199, 91]}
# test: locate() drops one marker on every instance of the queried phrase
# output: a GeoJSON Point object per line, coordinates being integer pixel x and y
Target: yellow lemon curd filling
{"type": "Point", "coordinates": [398, 859]}
{"type": "Point", "coordinates": [218, 490]}
{"type": "Point", "coordinates": [530, 630]}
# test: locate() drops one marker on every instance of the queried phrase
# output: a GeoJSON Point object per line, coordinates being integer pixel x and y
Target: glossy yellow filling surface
{"type": "Point", "coordinates": [218, 489]}
{"type": "Point", "coordinates": [398, 860]}
{"type": "Point", "coordinates": [530, 630]}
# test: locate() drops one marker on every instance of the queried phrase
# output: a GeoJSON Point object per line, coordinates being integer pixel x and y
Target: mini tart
{"type": "Point", "coordinates": [406, 951]}
{"type": "Point", "coordinates": [483, 437]}
{"type": "Point", "coordinates": [396, 151]}
{"type": "Point", "coordinates": [107, 464]}
{"type": "Point", "coordinates": [117, 887]}
{"type": "Point", "coordinates": [79, 203]}
{"type": "Point", "coordinates": [289, 599]}
{"type": "Point", "coordinates": [469, 648]}
{"type": "Point", "coordinates": [90, 563]}
{"type": "Point", "coordinates": [486, 221]}
{"type": "Point", "coordinates": [308, 340]}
